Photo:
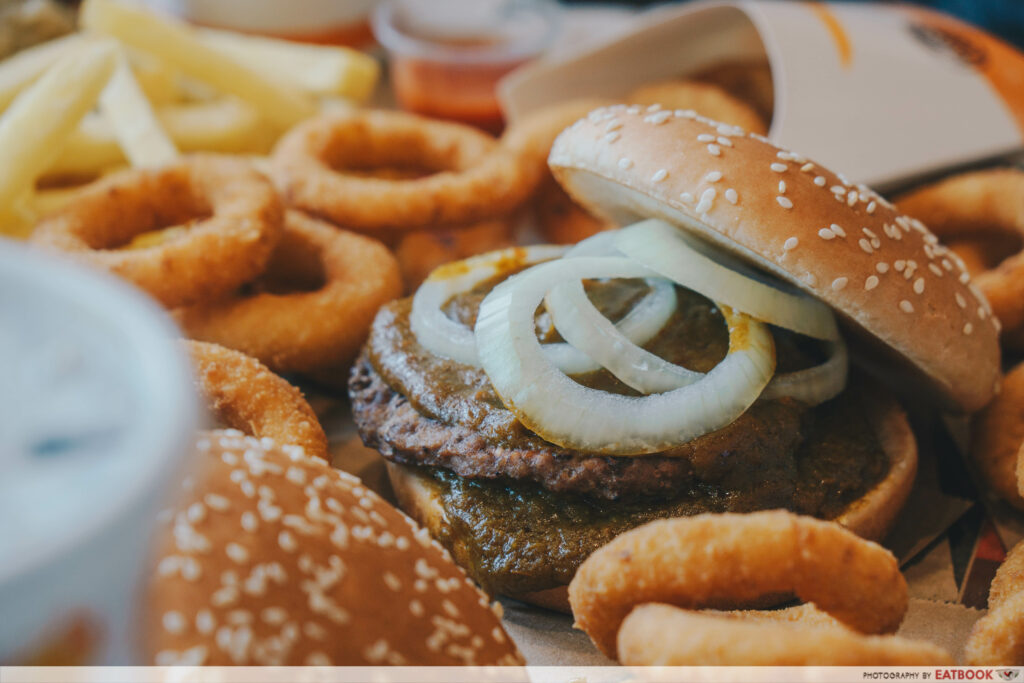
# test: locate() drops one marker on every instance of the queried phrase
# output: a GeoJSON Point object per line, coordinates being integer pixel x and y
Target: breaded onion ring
{"type": "Point", "coordinates": [663, 635]}
{"type": "Point", "coordinates": [980, 202]}
{"type": "Point", "coordinates": [304, 331]}
{"type": "Point", "coordinates": [474, 177]}
{"type": "Point", "coordinates": [232, 212]}
{"type": "Point", "coordinates": [997, 639]}
{"type": "Point", "coordinates": [245, 395]}
{"type": "Point", "coordinates": [420, 252]}
{"type": "Point", "coordinates": [732, 560]}
{"type": "Point", "coordinates": [532, 135]}
{"type": "Point", "coordinates": [703, 98]}
{"type": "Point", "coordinates": [748, 80]}
{"type": "Point", "coordinates": [563, 221]}
{"type": "Point", "coordinates": [997, 433]}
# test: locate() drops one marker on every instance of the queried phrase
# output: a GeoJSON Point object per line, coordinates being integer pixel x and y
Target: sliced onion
{"type": "Point", "coordinates": [817, 384]}
{"type": "Point", "coordinates": [601, 244]}
{"type": "Point", "coordinates": [574, 416]}
{"type": "Point", "coordinates": [670, 252]}
{"type": "Point", "coordinates": [594, 342]}
{"type": "Point", "coordinates": [448, 338]}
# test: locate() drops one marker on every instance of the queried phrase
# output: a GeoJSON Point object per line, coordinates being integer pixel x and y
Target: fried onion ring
{"type": "Point", "coordinates": [976, 203]}
{"type": "Point", "coordinates": [232, 212]}
{"type": "Point", "coordinates": [563, 221]}
{"type": "Point", "coordinates": [316, 325]}
{"type": "Point", "coordinates": [474, 177]}
{"type": "Point", "coordinates": [245, 395]}
{"type": "Point", "coordinates": [663, 635]}
{"type": "Point", "coordinates": [420, 252]}
{"type": "Point", "coordinates": [732, 560]}
{"type": "Point", "coordinates": [997, 433]}
{"type": "Point", "coordinates": [705, 99]}
{"type": "Point", "coordinates": [997, 639]}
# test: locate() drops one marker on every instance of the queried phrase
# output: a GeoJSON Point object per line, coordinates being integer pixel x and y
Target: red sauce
{"type": "Point", "coordinates": [456, 91]}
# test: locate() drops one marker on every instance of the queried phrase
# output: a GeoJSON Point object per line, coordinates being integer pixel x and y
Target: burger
{"type": "Point", "coordinates": [719, 353]}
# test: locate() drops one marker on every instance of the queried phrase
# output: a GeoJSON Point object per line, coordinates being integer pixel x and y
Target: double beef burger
{"type": "Point", "coordinates": [533, 404]}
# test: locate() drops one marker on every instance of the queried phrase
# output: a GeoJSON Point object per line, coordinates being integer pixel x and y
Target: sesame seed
{"type": "Point", "coordinates": [851, 198]}
{"type": "Point", "coordinates": [685, 113]}
{"type": "Point", "coordinates": [236, 552]}
{"type": "Point", "coordinates": [654, 107]}
{"type": "Point", "coordinates": [871, 207]}
{"type": "Point", "coordinates": [826, 234]}
{"type": "Point", "coordinates": [882, 267]}
{"type": "Point", "coordinates": [713, 177]}
{"type": "Point", "coordinates": [982, 312]}
{"type": "Point", "coordinates": [807, 168]}
{"type": "Point", "coordinates": [205, 622]}
{"type": "Point", "coordinates": [865, 245]}
{"type": "Point", "coordinates": [659, 175]}
{"type": "Point", "coordinates": [968, 328]}
{"type": "Point", "coordinates": [614, 124]}
{"type": "Point", "coordinates": [731, 196]}
{"type": "Point", "coordinates": [249, 522]}
{"type": "Point", "coordinates": [996, 324]}
{"type": "Point", "coordinates": [960, 301]}
{"type": "Point", "coordinates": [625, 164]}
{"type": "Point", "coordinates": [839, 283]}
{"type": "Point", "coordinates": [724, 142]}
{"type": "Point", "coordinates": [837, 229]}
{"type": "Point", "coordinates": [906, 306]}
{"type": "Point", "coordinates": [935, 269]}
{"type": "Point", "coordinates": [196, 512]}
{"type": "Point", "coordinates": [704, 137]}
{"type": "Point", "coordinates": [686, 197]}
{"type": "Point", "coordinates": [715, 150]}
{"type": "Point", "coordinates": [871, 282]}
{"type": "Point", "coordinates": [707, 198]}
{"type": "Point", "coordinates": [782, 187]}
{"type": "Point", "coordinates": [287, 542]}
{"type": "Point", "coordinates": [965, 277]}
{"type": "Point", "coordinates": [173, 622]}
{"type": "Point", "coordinates": [919, 285]}
{"type": "Point", "coordinates": [779, 168]}
{"type": "Point", "coordinates": [784, 202]}
{"type": "Point", "coordinates": [790, 244]}
{"type": "Point", "coordinates": [611, 137]}
{"type": "Point", "coordinates": [838, 189]}
{"type": "Point", "coordinates": [810, 279]}
{"type": "Point", "coordinates": [899, 265]}
{"type": "Point", "coordinates": [820, 181]}
{"type": "Point", "coordinates": [216, 502]}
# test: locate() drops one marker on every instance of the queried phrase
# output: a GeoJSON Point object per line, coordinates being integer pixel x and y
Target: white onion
{"type": "Point", "coordinates": [571, 415]}
{"type": "Point", "coordinates": [817, 384]}
{"type": "Point", "coordinates": [614, 347]}
{"type": "Point", "coordinates": [581, 319]}
{"type": "Point", "coordinates": [670, 252]}
{"type": "Point", "coordinates": [445, 337]}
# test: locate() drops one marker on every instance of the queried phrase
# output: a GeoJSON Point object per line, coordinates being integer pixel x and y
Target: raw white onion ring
{"type": "Point", "coordinates": [677, 256]}
{"type": "Point", "coordinates": [637, 327]}
{"type": "Point", "coordinates": [445, 337]}
{"type": "Point", "coordinates": [574, 416]}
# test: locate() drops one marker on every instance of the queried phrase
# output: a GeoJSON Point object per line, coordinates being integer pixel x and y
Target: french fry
{"type": "Point", "coordinates": [138, 132]}
{"type": "Point", "coordinates": [181, 46]}
{"type": "Point", "coordinates": [24, 68]}
{"type": "Point", "coordinates": [226, 125]}
{"type": "Point", "coordinates": [319, 69]}
{"type": "Point", "coordinates": [39, 121]}
{"type": "Point", "coordinates": [161, 82]}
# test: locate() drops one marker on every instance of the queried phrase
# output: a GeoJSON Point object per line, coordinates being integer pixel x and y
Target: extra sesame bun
{"type": "Point", "coordinates": [275, 558]}
{"type": "Point", "coordinates": [870, 516]}
{"type": "Point", "coordinates": [885, 274]}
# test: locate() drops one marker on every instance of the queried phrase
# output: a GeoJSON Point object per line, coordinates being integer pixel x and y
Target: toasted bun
{"type": "Point", "coordinates": [870, 516]}
{"type": "Point", "coordinates": [884, 272]}
{"type": "Point", "coordinates": [274, 558]}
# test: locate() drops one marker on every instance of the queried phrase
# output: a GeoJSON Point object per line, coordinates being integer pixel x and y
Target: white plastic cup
{"type": "Point", "coordinates": [97, 418]}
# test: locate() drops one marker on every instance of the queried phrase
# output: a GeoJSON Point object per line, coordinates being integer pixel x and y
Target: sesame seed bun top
{"type": "Point", "coordinates": [884, 273]}
{"type": "Point", "coordinates": [274, 558]}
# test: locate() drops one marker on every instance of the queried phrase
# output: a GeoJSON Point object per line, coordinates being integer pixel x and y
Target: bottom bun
{"type": "Point", "coordinates": [870, 516]}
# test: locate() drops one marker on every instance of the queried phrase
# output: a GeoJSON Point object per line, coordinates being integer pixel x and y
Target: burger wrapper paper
{"type": "Point", "coordinates": [843, 74]}
{"type": "Point", "coordinates": [929, 538]}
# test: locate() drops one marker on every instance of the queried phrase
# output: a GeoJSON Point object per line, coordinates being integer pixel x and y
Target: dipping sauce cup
{"type": "Point", "coordinates": [446, 56]}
